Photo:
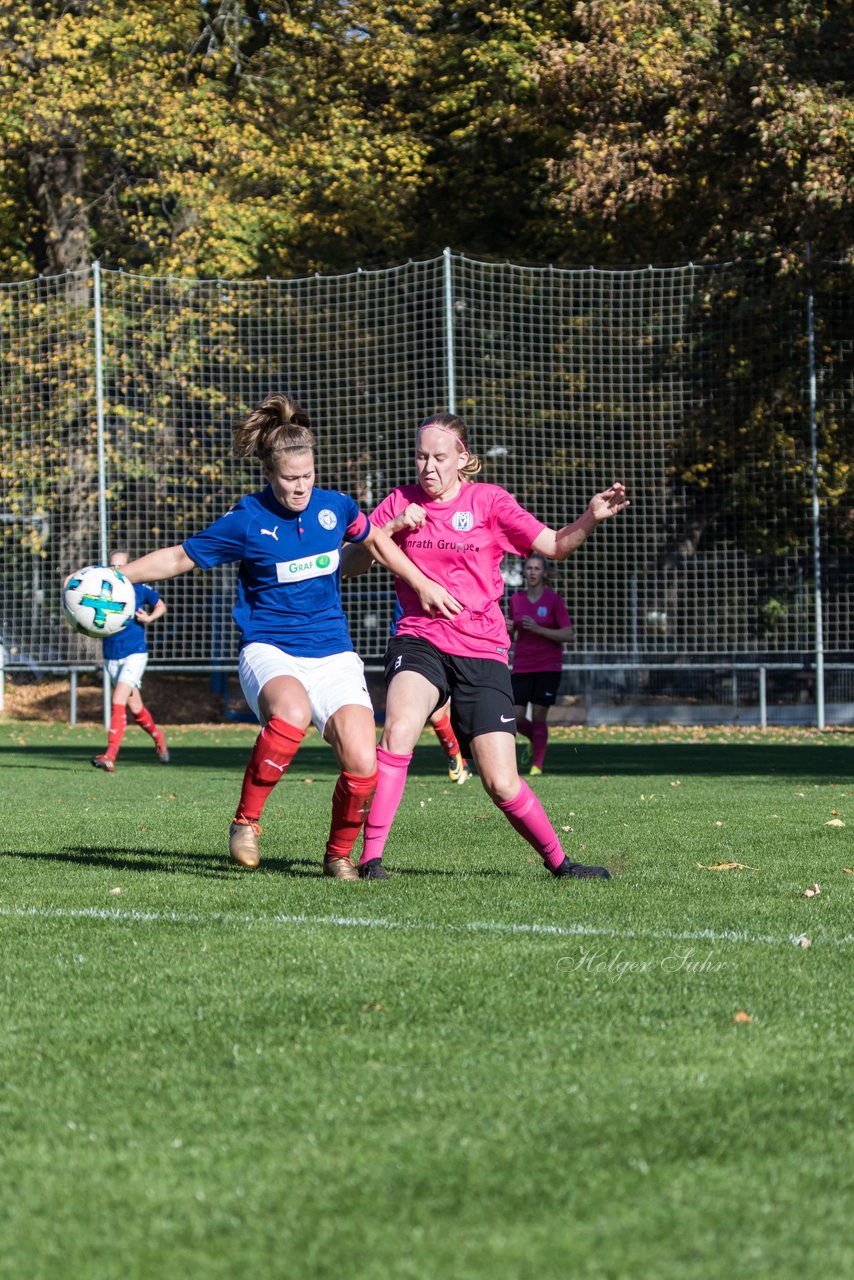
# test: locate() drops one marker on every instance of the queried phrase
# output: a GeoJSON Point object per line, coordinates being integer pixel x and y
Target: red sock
{"type": "Point", "coordinates": [275, 748]}
{"type": "Point", "coordinates": [144, 720]}
{"type": "Point", "coordinates": [351, 801]}
{"type": "Point", "coordinates": [118, 724]}
{"type": "Point", "coordinates": [539, 739]}
{"type": "Point", "coordinates": [445, 733]}
{"type": "Point", "coordinates": [525, 727]}
{"type": "Point", "coordinates": [528, 817]}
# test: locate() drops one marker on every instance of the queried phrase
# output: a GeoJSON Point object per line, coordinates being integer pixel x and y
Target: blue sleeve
{"type": "Point", "coordinates": [358, 524]}
{"type": "Point", "coordinates": [223, 542]}
{"type": "Point", "coordinates": [146, 596]}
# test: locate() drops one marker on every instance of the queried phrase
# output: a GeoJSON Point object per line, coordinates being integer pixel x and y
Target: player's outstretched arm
{"type": "Point", "coordinates": [356, 559]}
{"type": "Point", "coordinates": [557, 544]}
{"type": "Point", "coordinates": [433, 597]}
{"type": "Point", "coordinates": [168, 562]}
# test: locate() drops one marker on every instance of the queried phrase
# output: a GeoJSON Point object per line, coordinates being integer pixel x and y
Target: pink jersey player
{"type": "Point", "coordinates": [457, 532]}
{"type": "Point", "coordinates": [541, 627]}
{"type": "Point", "coordinates": [463, 540]}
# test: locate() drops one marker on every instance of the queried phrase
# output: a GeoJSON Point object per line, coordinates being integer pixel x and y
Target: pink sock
{"type": "Point", "coordinates": [528, 817]}
{"type": "Point", "coordinates": [539, 738]}
{"type": "Point", "coordinates": [392, 779]}
{"type": "Point", "coordinates": [525, 727]}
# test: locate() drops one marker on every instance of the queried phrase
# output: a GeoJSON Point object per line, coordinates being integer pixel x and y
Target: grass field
{"type": "Point", "coordinates": [472, 1070]}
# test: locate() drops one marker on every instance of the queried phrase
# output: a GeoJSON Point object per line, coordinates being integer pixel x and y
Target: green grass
{"type": "Point", "coordinates": [470, 1071]}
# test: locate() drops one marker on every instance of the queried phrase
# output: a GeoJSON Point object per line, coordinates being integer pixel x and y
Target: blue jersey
{"type": "Point", "coordinates": [131, 638]}
{"type": "Point", "coordinates": [289, 584]}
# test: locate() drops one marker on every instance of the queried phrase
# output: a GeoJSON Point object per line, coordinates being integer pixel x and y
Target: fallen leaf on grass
{"type": "Point", "coordinates": [835, 822]}
{"type": "Point", "coordinates": [719, 824]}
{"type": "Point", "coordinates": [116, 890]}
{"type": "Point", "coordinates": [741, 1016]}
{"type": "Point", "coordinates": [373, 1006]}
{"type": "Point", "coordinates": [567, 828]}
{"type": "Point", "coordinates": [812, 892]}
{"type": "Point", "coordinates": [802, 941]}
{"type": "Point", "coordinates": [848, 871]}
{"type": "Point", "coordinates": [727, 866]}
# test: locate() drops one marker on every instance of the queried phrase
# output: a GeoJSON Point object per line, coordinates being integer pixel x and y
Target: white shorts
{"type": "Point", "coordinates": [127, 670]}
{"type": "Point", "coordinates": [331, 683]}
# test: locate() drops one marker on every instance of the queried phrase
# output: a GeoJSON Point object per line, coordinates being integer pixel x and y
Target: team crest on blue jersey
{"type": "Point", "coordinates": [462, 521]}
{"type": "Point", "coordinates": [327, 518]}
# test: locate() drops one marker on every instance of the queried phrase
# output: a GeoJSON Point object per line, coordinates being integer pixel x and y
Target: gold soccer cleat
{"type": "Point", "coordinates": [339, 868]}
{"type": "Point", "coordinates": [243, 844]}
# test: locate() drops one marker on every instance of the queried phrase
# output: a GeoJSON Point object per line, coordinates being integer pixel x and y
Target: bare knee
{"type": "Point", "coordinates": [359, 759]}
{"type": "Point", "coordinates": [502, 791]}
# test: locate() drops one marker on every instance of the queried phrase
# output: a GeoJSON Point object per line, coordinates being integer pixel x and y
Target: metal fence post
{"type": "Point", "coordinates": [816, 520]}
{"type": "Point", "coordinates": [103, 550]}
{"type": "Point", "coordinates": [450, 368]}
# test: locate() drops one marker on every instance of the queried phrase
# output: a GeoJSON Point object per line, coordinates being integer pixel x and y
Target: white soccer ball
{"type": "Point", "coordinates": [98, 601]}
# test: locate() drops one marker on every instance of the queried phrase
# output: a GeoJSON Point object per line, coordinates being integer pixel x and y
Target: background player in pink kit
{"type": "Point", "coordinates": [297, 664]}
{"type": "Point", "coordinates": [541, 627]}
{"type": "Point", "coordinates": [458, 533]}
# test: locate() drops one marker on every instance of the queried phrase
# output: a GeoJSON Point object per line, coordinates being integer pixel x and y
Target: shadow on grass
{"type": "Point", "coordinates": [565, 759]}
{"type": "Point", "coordinates": [214, 866]}
{"type": "Point", "coordinates": [720, 759]}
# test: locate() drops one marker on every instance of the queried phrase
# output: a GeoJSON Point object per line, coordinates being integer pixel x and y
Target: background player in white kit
{"type": "Point", "coordinates": [125, 660]}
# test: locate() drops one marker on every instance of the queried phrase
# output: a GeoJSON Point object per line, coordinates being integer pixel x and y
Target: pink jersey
{"type": "Point", "coordinates": [532, 652]}
{"type": "Point", "coordinates": [460, 546]}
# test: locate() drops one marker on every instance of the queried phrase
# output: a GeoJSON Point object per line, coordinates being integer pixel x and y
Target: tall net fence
{"type": "Point", "coordinates": [691, 384]}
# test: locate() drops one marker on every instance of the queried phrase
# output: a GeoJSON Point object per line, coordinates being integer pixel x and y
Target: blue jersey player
{"type": "Point", "coordinates": [125, 659]}
{"type": "Point", "coordinates": [297, 664]}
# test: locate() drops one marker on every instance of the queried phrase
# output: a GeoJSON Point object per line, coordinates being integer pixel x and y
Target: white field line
{"type": "Point", "coordinates": [117, 914]}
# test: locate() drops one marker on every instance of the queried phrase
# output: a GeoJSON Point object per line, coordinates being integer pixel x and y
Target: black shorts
{"type": "Point", "coordinates": [537, 687]}
{"type": "Point", "coordinates": [479, 688]}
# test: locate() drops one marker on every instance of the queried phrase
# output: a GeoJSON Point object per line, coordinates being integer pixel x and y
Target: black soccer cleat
{"type": "Point", "coordinates": [580, 871]}
{"type": "Point", "coordinates": [373, 870]}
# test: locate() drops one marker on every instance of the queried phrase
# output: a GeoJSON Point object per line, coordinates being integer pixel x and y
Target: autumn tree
{"type": "Point", "coordinates": [696, 128]}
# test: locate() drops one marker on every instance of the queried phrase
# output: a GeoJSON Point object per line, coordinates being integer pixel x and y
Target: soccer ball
{"type": "Point", "coordinates": [98, 601]}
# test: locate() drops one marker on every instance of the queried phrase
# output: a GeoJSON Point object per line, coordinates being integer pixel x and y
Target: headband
{"type": "Point", "coordinates": [437, 426]}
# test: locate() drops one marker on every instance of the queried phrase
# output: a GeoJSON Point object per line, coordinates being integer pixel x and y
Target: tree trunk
{"type": "Point", "coordinates": [56, 181]}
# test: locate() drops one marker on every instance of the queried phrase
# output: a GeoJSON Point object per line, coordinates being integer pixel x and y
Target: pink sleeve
{"type": "Point", "coordinates": [518, 528]}
{"type": "Point", "coordinates": [391, 506]}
